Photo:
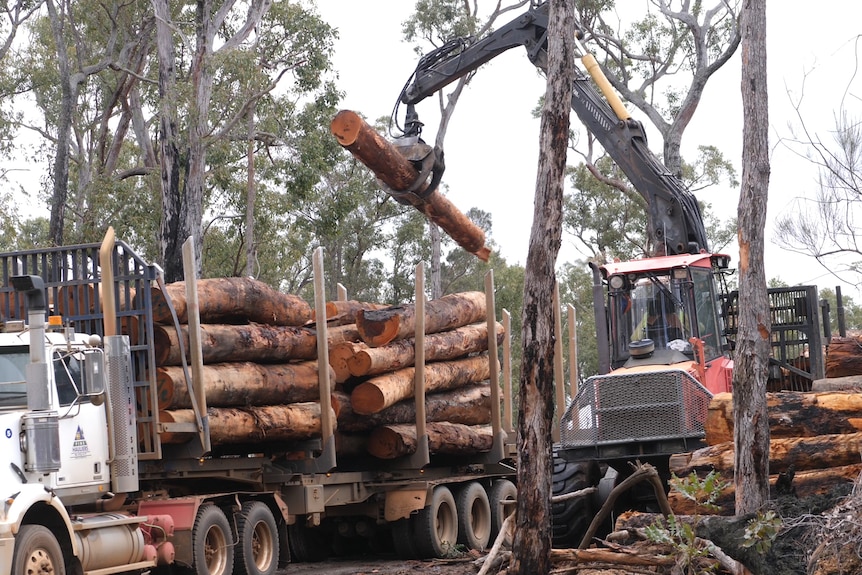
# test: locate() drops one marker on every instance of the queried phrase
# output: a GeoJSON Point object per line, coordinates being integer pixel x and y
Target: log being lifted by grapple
{"type": "Point", "coordinates": [232, 300]}
{"type": "Point", "coordinates": [379, 327]}
{"type": "Point", "coordinates": [399, 175]}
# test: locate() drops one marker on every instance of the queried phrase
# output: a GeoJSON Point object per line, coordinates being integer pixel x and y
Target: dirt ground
{"type": "Point", "coordinates": [384, 566]}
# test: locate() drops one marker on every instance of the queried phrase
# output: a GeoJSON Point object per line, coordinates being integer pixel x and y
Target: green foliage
{"type": "Point", "coordinates": [761, 531]}
{"type": "Point", "coordinates": [703, 492]}
{"type": "Point", "coordinates": [436, 21]}
{"type": "Point", "coordinates": [852, 310]}
{"type": "Point", "coordinates": [681, 537]}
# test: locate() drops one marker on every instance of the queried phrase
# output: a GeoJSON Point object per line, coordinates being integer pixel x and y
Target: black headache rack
{"type": "Point", "coordinates": [797, 344]}
{"type": "Point", "coordinates": [72, 281]}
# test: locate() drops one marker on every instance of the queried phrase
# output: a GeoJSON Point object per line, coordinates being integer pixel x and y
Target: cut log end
{"type": "Point", "coordinates": [346, 126]}
{"type": "Point", "coordinates": [367, 399]}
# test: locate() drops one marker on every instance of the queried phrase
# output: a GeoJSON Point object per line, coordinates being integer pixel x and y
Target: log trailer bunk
{"type": "Point", "coordinates": [89, 488]}
{"type": "Point", "coordinates": [656, 380]}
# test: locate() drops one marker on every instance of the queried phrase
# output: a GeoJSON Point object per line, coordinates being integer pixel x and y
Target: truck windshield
{"type": "Point", "coordinates": [13, 386]}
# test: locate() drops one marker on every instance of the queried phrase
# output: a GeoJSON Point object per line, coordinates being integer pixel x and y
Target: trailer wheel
{"type": "Point", "coordinates": [403, 538]}
{"type": "Point", "coordinates": [571, 519]}
{"type": "Point", "coordinates": [436, 526]}
{"type": "Point", "coordinates": [212, 542]}
{"type": "Point", "coordinates": [257, 552]}
{"type": "Point", "coordinates": [500, 490]}
{"type": "Point", "coordinates": [474, 516]}
{"type": "Point", "coordinates": [307, 545]}
{"type": "Point", "coordinates": [37, 552]}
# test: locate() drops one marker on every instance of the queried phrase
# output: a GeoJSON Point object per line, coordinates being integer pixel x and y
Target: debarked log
{"type": "Point", "coordinates": [266, 424]}
{"type": "Point", "coordinates": [393, 441]}
{"type": "Point", "coordinates": [791, 414]}
{"type": "Point", "coordinates": [387, 389]}
{"type": "Point", "coordinates": [459, 342]}
{"type": "Point", "coordinates": [232, 300]}
{"type": "Point", "coordinates": [399, 175]}
{"type": "Point", "coordinates": [818, 452]}
{"type": "Point", "coordinates": [238, 384]}
{"type": "Point", "coordinates": [379, 327]}
{"type": "Point", "coordinates": [249, 342]}
{"type": "Point", "coordinates": [470, 405]}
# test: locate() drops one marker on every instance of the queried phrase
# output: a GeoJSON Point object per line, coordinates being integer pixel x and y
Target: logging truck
{"type": "Point", "coordinates": [109, 469]}
{"type": "Point", "coordinates": [665, 323]}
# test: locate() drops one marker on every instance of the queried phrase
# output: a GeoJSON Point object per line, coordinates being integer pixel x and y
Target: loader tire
{"type": "Point", "coordinates": [571, 519]}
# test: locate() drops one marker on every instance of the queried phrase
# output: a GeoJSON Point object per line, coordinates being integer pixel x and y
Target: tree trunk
{"type": "Point", "coordinates": [469, 406]}
{"type": "Point", "coordinates": [379, 327]}
{"type": "Point", "coordinates": [791, 414]}
{"type": "Point", "coordinates": [751, 357]}
{"type": "Point", "coordinates": [231, 300]}
{"type": "Point", "coordinates": [387, 389]}
{"type": "Point", "coordinates": [393, 441]}
{"type": "Point", "coordinates": [251, 342]}
{"type": "Point", "coordinates": [844, 357]}
{"type": "Point", "coordinates": [68, 97]}
{"type": "Point", "coordinates": [531, 545]}
{"type": "Point", "coordinates": [267, 424]}
{"type": "Point", "coordinates": [242, 383]}
{"type": "Point", "coordinates": [444, 345]}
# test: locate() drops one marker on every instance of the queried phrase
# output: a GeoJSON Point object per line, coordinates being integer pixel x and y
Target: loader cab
{"type": "Point", "coordinates": [656, 306]}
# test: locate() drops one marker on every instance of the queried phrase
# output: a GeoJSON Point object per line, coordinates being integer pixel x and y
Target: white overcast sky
{"type": "Point", "coordinates": [492, 142]}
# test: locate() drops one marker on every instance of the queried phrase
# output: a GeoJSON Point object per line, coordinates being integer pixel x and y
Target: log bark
{"type": "Point", "coordinates": [342, 333]}
{"type": "Point", "coordinates": [232, 300]}
{"type": "Point", "coordinates": [468, 406]}
{"type": "Point", "coordinates": [342, 312]}
{"type": "Point", "coordinates": [273, 423]}
{"type": "Point", "coordinates": [250, 342]}
{"type": "Point", "coordinates": [441, 346]}
{"type": "Point", "coordinates": [399, 175]}
{"type": "Point", "coordinates": [379, 327]}
{"type": "Point", "coordinates": [444, 438]}
{"type": "Point", "coordinates": [609, 557]}
{"type": "Point", "coordinates": [801, 453]}
{"type": "Point", "coordinates": [791, 414]}
{"type": "Point", "coordinates": [844, 356]}
{"type": "Point", "coordinates": [238, 384]}
{"type": "Point", "coordinates": [387, 389]}
{"type": "Point", "coordinates": [803, 484]}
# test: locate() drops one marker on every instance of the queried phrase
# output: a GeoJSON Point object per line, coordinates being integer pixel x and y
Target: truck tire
{"type": "Point", "coordinates": [257, 552]}
{"type": "Point", "coordinates": [212, 542]}
{"type": "Point", "coordinates": [500, 490]}
{"type": "Point", "coordinates": [403, 539]}
{"type": "Point", "coordinates": [307, 545]}
{"type": "Point", "coordinates": [571, 519]}
{"type": "Point", "coordinates": [37, 552]}
{"type": "Point", "coordinates": [435, 528]}
{"type": "Point", "coordinates": [474, 516]}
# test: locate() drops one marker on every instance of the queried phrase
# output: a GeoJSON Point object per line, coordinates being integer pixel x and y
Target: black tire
{"type": "Point", "coordinates": [307, 544]}
{"type": "Point", "coordinates": [474, 516]}
{"type": "Point", "coordinates": [257, 552]}
{"type": "Point", "coordinates": [500, 490]}
{"type": "Point", "coordinates": [435, 528]}
{"type": "Point", "coordinates": [37, 552]}
{"type": "Point", "coordinates": [403, 539]}
{"type": "Point", "coordinates": [571, 519]}
{"type": "Point", "coordinates": [212, 542]}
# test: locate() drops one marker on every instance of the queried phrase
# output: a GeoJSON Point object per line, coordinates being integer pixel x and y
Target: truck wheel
{"type": "Point", "coordinates": [212, 542]}
{"type": "Point", "coordinates": [257, 552]}
{"type": "Point", "coordinates": [403, 539]}
{"type": "Point", "coordinates": [571, 519]}
{"type": "Point", "coordinates": [37, 552]}
{"type": "Point", "coordinates": [500, 490]}
{"type": "Point", "coordinates": [307, 545]}
{"type": "Point", "coordinates": [474, 516]}
{"type": "Point", "coordinates": [436, 526]}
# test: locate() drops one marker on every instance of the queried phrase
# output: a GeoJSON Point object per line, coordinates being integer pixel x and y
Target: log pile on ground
{"type": "Point", "coordinates": [259, 376]}
{"type": "Point", "coordinates": [375, 405]}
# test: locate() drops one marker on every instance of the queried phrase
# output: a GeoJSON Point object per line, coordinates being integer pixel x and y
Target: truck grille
{"type": "Point", "coordinates": [650, 406]}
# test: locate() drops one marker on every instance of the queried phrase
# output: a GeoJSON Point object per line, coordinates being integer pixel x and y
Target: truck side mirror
{"type": "Point", "coordinates": [93, 382]}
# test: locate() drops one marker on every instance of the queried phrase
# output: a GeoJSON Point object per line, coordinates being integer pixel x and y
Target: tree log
{"type": "Point", "coordinates": [250, 342]}
{"type": "Point", "coordinates": [292, 422]}
{"type": "Point", "coordinates": [339, 358]}
{"type": "Point", "coordinates": [802, 453]}
{"type": "Point", "coordinates": [399, 175]}
{"type": "Point", "coordinates": [387, 389]}
{"type": "Point", "coordinates": [609, 557]}
{"type": "Point", "coordinates": [238, 384]}
{"type": "Point", "coordinates": [342, 333]}
{"type": "Point", "coordinates": [803, 484]}
{"type": "Point", "coordinates": [379, 327]}
{"type": "Point", "coordinates": [401, 353]}
{"type": "Point", "coordinates": [844, 356]}
{"type": "Point", "coordinates": [232, 300]}
{"type": "Point", "coordinates": [444, 438]}
{"type": "Point", "coordinates": [791, 414]}
{"type": "Point", "coordinates": [468, 406]}
{"type": "Point", "coordinates": [342, 312]}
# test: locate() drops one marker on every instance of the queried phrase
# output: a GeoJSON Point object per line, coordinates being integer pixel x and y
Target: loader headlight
{"type": "Point", "coordinates": [617, 281]}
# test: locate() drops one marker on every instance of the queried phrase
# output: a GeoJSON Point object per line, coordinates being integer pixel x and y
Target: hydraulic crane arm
{"type": "Point", "coordinates": [675, 222]}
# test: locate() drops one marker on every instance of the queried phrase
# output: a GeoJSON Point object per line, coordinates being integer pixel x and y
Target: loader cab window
{"type": "Point", "coordinates": [708, 326]}
{"type": "Point", "coordinates": [13, 386]}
